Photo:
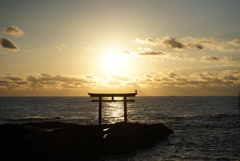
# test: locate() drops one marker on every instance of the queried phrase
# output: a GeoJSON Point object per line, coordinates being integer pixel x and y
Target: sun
{"type": "Point", "coordinates": [116, 62]}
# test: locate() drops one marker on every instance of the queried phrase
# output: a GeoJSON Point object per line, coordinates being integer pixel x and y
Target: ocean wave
{"type": "Point", "coordinates": [33, 119]}
{"type": "Point", "coordinates": [220, 116]}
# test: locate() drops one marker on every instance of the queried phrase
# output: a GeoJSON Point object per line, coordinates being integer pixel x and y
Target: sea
{"type": "Point", "coordinates": [205, 128]}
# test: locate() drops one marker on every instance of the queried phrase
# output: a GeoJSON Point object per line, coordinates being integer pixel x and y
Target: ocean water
{"type": "Point", "coordinates": [206, 128]}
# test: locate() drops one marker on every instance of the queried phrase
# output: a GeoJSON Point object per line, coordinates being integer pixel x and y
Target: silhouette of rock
{"type": "Point", "coordinates": [65, 141]}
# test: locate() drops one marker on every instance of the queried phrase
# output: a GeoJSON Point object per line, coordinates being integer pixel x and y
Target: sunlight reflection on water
{"type": "Point", "coordinates": [206, 128]}
{"type": "Point", "coordinates": [113, 112]}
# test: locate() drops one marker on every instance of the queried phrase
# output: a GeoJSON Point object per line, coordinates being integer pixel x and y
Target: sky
{"type": "Point", "coordinates": [159, 47]}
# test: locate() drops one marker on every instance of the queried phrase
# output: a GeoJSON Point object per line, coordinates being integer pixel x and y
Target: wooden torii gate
{"type": "Point", "coordinates": [112, 96]}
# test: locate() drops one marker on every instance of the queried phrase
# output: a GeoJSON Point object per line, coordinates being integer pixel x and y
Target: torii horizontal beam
{"type": "Point", "coordinates": [112, 94]}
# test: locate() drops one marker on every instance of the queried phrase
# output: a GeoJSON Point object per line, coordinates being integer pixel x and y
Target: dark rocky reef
{"type": "Point", "coordinates": [65, 141]}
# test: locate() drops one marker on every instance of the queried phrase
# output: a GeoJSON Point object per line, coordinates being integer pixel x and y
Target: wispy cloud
{"type": "Point", "coordinates": [13, 30]}
{"type": "Point", "coordinates": [234, 42]}
{"type": "Point", "coordinates": [166, 55]}
{"type": "Point", "coordinates": [126, 51]}
{"type": "Point", "coordinates": [224, 59]}
{"type": "Point", "coordinates": [190, 43]}
{"type": "Point", "coordinates": [8, 44]}
{"type": "Point", "coordinates": [89, 48]}
{"type": "Point", "coordinates": [61, 47]}
{"type": "Point", "coordinates": [151, 53]}
{"type": "Point", "coordinates": [180, 56]}
{"type": "Point", "coordinates": [214, 44]}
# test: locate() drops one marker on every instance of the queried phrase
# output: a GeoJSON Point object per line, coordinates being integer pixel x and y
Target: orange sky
{"type": "Point", "coordinates": [70, 48]}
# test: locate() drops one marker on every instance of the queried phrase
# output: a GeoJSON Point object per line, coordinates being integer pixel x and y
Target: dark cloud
{"type": "Point", "coordinates": [152, 41]}
{"type": "Point", "coordinates": [150, 53]}
{"type": "Point", "coordinates": [173, 43]}
{"type": "Point", "coordinates": [195, 46]}
{"type": "Point", "coordinates": [153, 53]}
{"type": "Point", "coordinates": [13, 30]}
{"type": "Point", "coordinates": [169, 42]}
{"type": "Point", "coordinates": [209, 58]}
{"type": "Point", "coordinates": [8, 44]}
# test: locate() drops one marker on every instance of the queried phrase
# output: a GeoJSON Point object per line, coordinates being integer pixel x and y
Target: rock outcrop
{"type": "Point", "coordinates": [64, 141]}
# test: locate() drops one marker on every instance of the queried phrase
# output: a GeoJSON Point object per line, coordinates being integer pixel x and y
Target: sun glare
{"type": "Point", "coordinates": [115, 62]}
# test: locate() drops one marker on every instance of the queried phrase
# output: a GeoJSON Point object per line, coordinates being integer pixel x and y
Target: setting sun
{"type": "Point", "coordinates": [115, 62]}
{"type": "Point", "coordinates": [162, 47]}
{"type": "Point", "coordinates": [98, 79]}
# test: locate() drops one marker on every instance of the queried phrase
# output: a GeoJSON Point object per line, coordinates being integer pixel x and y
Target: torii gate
{"type": "Point", "coordinates": [112, 95]}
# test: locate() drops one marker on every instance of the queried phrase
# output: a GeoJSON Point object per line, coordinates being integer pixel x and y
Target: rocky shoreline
{"type": "Point", "coordinates": [66, 141]}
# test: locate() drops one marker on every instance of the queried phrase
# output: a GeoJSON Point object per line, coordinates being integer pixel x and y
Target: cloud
{"type": "Point", "coordinates": [13, 78]}
{"type": "Point", "coordinates": [214, 44]}
{"type": "Point", "coordinates": [179, 56]}
{"type": "Point", "coordinates": [191, 43]}
{"type": "Point", "coordinates": [169, 42]}
{"type": "Point", "coordinates": [47, 82]}
{"type": "Point", "coordinates": [60, 47]}
{"type": "Point", "coordinates": [194, 46]}
{"type": "Point", "coordinates": [139, 41]}
{"type": "Point", "coordinates": [151, 53]}
{"type": "Point", "coordinates": [126, 52]}
{"type": "Point", "coordinates": [10, 82]}
{"type": "Point", "coordinates": [8, 44]}
{"type": "Point", "coordinates": [151, 40]}
{"type": "Point", "coordinates": [224, 59]}
{"type": "Point", "coordinates": [147, 41]}
{"type": "Point", "coordinates": [89, 48]}
{"type": "Point", "coordinates": [173, 43]}
{"type": "Point", "coordinates": [227, 59]}
{"type": "Point", "coordinates": [13, 30]}
{"type": "Point", "coordinates": [234, 42]}
{"type": "Point", "coordinates": [204, 79]}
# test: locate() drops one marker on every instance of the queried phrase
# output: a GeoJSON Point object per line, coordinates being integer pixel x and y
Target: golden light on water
{"type": "Point", "coordinates": [113, 112]}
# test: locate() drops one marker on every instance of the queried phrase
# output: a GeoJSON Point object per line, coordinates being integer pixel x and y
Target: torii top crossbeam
{"type": "Point", "coordinates": [112, 95]}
